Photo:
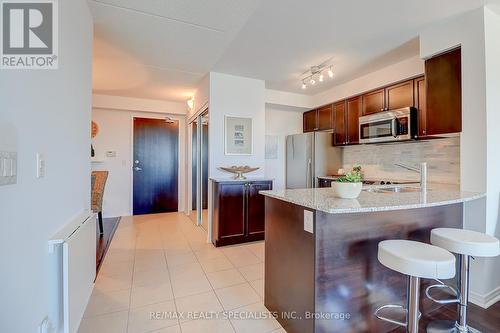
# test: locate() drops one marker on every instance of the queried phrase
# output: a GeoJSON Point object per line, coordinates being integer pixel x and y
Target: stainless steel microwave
{"type": "Point", "coordinates": [387, 126]}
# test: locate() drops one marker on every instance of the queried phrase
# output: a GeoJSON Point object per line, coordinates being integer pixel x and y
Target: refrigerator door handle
{"type": "Point", "coordinates": [309, 174]}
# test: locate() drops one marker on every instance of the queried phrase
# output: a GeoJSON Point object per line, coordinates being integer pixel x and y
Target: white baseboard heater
{"type": "Point", "coordinates": [73, 252]}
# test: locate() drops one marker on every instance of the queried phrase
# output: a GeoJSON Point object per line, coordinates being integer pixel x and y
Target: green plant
{"type": "Point", "coordinates": [353, 176]}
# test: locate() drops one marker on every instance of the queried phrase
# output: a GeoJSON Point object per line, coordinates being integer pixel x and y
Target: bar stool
{"type": "Point", "coordinates": [466, 244]}
{"type": "Point", "coordinates": [416, 260]}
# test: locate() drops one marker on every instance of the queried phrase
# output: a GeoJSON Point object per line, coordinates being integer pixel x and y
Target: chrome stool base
{"type": "Point", "coordinates": [448, 326]}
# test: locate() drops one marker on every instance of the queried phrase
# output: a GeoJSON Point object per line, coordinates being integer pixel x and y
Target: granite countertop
{"type": "Point", "coordinates": [324, 199]}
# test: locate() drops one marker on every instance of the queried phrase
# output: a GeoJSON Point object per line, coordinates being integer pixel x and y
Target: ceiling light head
{"type": "Point", "coordinates": [330, 72]}
{"type": "Point", "coordinates": [190, 103]}
{"type": "Point", "coordinates": [313, 81]}
{"type": "Point", "coordinates": [320, 77]}
{"type": "Point", "coordinates": [304, 86]}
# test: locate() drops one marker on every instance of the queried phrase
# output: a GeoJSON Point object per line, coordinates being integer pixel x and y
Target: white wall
{"type": "Point", "coordinates": [201, 96]}
{"type": "Point", "coordinates": [477, 33]}
{"type": "Point", "coordinates": [280, 122]}
{"type": "Point", "coordinates": [45, 111]}
{"type": "Point", "coordinates": [138, 104]}
{"type": "Point", "coordinates": [399, 71]}
{"type": "Point", "coordinates": [115, 134]}
{"type": "Point", "coordinates": [235, 96]}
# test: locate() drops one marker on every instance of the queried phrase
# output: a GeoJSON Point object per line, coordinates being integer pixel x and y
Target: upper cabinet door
{"type": "Point", "coordinates": [310, 121]}
{"type": "Point", "coordinates": [325, 118]}
{"type": "Point", "coordinates": [443, 74]}
{"type": "Point", "coordinates": [420, 97]}
{"type": "Point", "coordinates": [374, 101]}
{"type": "Point", "coordinates": [399, 95]}
{"type": "Point", "coordinates": [339, 115]}
{"type": "Point", "coordinates": [353, 113]}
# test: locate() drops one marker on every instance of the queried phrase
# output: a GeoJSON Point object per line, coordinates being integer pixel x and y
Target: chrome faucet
{"type": "Point", "coordinates": [422, 169]}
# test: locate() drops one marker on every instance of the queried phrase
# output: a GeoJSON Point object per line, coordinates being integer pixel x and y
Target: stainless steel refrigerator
{"type": "Point", "coordinates": [309, 156]}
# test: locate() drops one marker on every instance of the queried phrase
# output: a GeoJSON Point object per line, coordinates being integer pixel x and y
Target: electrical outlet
{"type": "Point", "coordinates": [8, 168]}
{"type": "Point", "coordinates": [308, 221]}
{"type": "Point", "coordinates": [110, 153]}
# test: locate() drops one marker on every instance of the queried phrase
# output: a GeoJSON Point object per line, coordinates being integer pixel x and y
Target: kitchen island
{"type": "Point", "coordinates": [321, 268]}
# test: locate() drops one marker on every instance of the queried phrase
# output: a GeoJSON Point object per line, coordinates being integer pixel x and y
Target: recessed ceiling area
{"type": "Point", "coordinates": [162, 48]}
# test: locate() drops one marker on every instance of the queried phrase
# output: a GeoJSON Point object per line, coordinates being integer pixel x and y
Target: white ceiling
{"type": "Point", "coordinates": [162, 48]}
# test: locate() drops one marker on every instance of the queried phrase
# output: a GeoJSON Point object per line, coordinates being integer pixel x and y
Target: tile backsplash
{"type": "Point", "coordinates": [442, 157]}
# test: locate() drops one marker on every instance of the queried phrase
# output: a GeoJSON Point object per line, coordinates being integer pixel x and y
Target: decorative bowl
{"type": "Point", "coordinates": [239, 171]}
{"type": "Point", "coordinates": [347, 190]}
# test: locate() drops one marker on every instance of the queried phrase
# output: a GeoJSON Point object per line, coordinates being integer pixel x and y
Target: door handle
{"type": "Point", "coordinates": [137, 168]}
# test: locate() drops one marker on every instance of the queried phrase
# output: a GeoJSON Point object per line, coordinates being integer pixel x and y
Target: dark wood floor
{"type": "Point", "coordinates": [103, 241]}
{"type": "Point", "coordinates": [486, 321]}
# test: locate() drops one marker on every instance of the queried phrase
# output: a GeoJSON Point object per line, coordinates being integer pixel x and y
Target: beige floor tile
{"type": "Point", "coordinates": [123, 268]}
{"type": "Point", "coordinates": [151, 277]}
{"type": "Point", "coordinates": [226, 278]}
{"type": "Point", "coordinates": [142, 319]}
{"type": "Point", "coordinates": [259, 320]}
{"type": "Point", "coordinates": [209, 253]}
{"type": "Point", "coordinates": [182, 259]}
{"type": "Point", "coordinates": [153, 263]}
{"type": "Point", "coordinates": [192, 286]}
{"type": "Point", "coordinates": [192, 307]}
{"type": "Point", "coordinates": [240, 257]}
{"type": "Point", "coordinates": [237, 296]}
{"type": "Point", "coordinates": [109, 323]}
{"type": "Point", "coordinates": [214, 265]}
{"type": "Point", "coordinates": [187, 271]}
{"type": "Point", "coordinates": [113, 283]}
{"type": "Point", "coordinates": [252, 272]}
{"type": "Point", "coordinates": [150, 294]}
{"type": "Point", "coordinates": [107, 302]}
{"type": "Point", "coordinates": [258, 286]}
{"type": "Point", "coordinates": [172, 329]}
{"type": "Point", "coordinates": [207, 326]}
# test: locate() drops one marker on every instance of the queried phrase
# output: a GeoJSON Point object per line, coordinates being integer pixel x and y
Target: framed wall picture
{"type": "Point", "coordinates": [238, 136]}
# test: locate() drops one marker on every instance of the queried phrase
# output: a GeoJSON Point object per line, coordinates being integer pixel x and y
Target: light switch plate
{"type": "Point", "coordinates": [40, 165]}
{"type": "Point", "coordinates": [110, 153]}
{"type": "Point", "coordinates": [8, 168]}
{"type": "Point", "coordinates": [308, 221]}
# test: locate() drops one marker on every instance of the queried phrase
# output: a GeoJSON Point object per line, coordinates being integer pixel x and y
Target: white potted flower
{"type": "Point", "coordinates": [350, 185]}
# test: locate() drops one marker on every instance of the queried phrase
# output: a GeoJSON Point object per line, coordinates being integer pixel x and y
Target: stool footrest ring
{"type": "Point", "coordinates": [441, 285]}
{"type": "Point", "coordinates": [390, 320]}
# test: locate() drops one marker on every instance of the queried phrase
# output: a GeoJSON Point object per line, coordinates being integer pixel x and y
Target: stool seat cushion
{"type": "Point", "coordinates": [466, 242]}
{"type": "Point", "coordinates": [417, 259]}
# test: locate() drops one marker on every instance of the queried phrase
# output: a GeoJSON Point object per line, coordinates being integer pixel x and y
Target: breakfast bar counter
{"type": "Point", "coordinates": [321, 269]}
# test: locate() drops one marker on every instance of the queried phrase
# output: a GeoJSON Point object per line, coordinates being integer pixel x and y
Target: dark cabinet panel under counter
{"type": "Point", "coordinates": [238, 211]}
{"type": "Point", "coordinates": [321, 269]}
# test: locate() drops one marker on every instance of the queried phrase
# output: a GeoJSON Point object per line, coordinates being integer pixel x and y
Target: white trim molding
{"type": "Point", "coordinates": [487, 300]}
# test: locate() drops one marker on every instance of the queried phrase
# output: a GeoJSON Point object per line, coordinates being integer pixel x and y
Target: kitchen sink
{"type": "Point", "coordinates": [394, 189]}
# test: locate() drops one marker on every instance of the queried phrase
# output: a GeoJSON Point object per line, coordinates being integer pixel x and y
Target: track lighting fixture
{"type": "Point", "coordinates": [315, 74]}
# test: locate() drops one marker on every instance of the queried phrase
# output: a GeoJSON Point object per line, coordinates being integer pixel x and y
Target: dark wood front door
{"type": "Point", "coordinates": [155, 166]}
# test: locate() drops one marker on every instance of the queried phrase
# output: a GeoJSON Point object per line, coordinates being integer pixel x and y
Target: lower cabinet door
{"type": "Point", "coordinates": [231, 211]}
{"type": "Point", "coordinates": [256, 209]}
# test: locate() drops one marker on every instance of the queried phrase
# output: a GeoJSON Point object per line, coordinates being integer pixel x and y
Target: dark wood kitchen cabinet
{"type": "Point", "coordinates": [310, 121]}
{"type": "Point", "coordinates": [318, 119]}
{"type": "Point", "coordinates": [339, 124]}
{"type": "Point", "coordinates": [443, 75]}
{"type": "Point", "coordinates": [324, 115]}
{"type": "Point", "coordinates": [399, 95]}
{"type": "Point", "coordinates": [238, 211]}
{"type": "Point", "coordinates": [353, 114]}
{"type": "Point", "coordinates": [374, 101]}
{"type": "Point", "coordinates": [396, 96]}
{"type": "Point", "coordinates": [420, 105]}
